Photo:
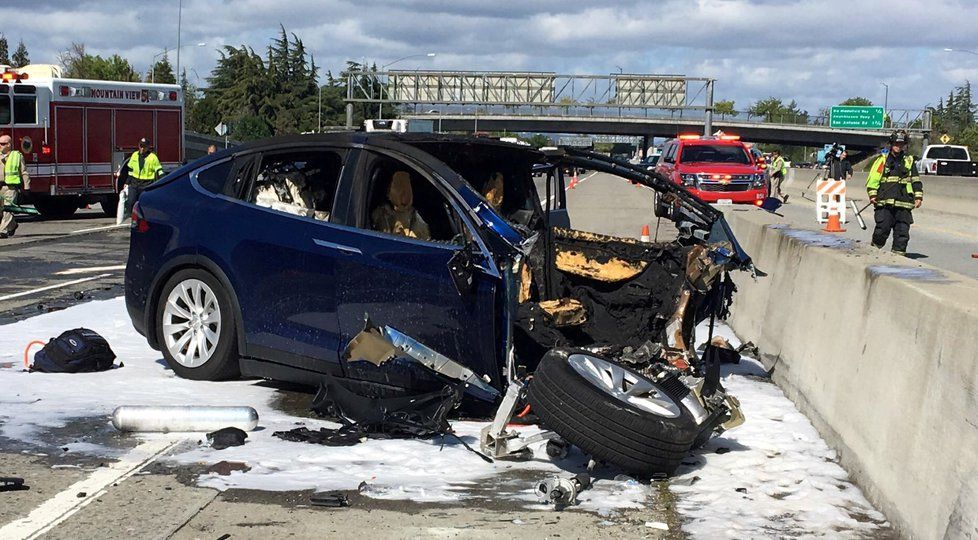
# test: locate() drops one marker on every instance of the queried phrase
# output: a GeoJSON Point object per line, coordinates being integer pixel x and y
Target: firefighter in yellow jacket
{"type": "Point", "coordinates": [895, 190]}
{"type": "Point", "coordinates": [143, 169]}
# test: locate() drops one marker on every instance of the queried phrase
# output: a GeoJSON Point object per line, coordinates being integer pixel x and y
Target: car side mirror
{"type": "Point", "coordinates": [462, 269]}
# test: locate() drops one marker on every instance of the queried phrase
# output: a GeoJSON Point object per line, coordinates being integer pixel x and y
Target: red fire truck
{"type": "Point", "coordinates": [75, 134]}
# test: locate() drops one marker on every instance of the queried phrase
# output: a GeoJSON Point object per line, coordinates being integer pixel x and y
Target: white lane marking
{"type": "Point", "coordinates": [49, 287]}
{"type": "Point", "coordinates": [63, 505]}
{"type": "Point", "coordinates": [74, 271]}
{"type": "Point", "coordinates": [105, 228]}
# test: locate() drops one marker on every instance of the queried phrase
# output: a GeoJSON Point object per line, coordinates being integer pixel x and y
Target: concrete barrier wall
{"type": "Point", "coordinates": [953, 194]}
{"type": "Point", "coordinates": [882, 354]}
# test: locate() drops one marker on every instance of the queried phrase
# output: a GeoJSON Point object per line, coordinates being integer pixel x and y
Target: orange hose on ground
{"type": "Point", "coordinates": [27, 364]}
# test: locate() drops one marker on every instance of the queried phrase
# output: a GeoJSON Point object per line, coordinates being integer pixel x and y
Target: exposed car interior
{"type": "Point", "coordinates": [402, 202]}
{"type": "Point", "coordinates": [481, 166]}
{"type": "Point", "coordinates": [299, 183]}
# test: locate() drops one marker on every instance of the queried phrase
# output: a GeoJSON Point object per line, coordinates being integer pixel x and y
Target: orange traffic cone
{"type": "Point", "coordinates": [573, 183]}
{"type": "Point", "coordinates": [834, 225]}
{"type": "Point", "coordinates": [645, 234]}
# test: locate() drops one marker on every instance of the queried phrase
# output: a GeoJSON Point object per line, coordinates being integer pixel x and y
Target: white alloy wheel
{"type": "Point", "coordinates": [191, 323]}
{"type": "Point", "coordinates": [624, 385]}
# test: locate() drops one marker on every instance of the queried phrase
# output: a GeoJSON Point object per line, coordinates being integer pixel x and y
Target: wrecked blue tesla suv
{"type": "Point", "coordinates": [395, 262]}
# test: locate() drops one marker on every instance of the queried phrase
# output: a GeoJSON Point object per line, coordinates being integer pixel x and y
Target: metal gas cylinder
{"type": "Point", "coordinates": [183, 418]}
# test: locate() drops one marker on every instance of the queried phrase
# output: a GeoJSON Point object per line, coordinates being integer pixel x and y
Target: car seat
{"type": "Point", "coordinates": [286, 191]}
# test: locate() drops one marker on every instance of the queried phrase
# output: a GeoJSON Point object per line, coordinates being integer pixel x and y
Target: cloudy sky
{"type": "Point", "coordinates": [816, 52]}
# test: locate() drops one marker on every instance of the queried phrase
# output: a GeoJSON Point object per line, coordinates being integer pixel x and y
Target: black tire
{"type": "Point", "coordinates": [109, 204]}
{"type": "Point", "coordinates": [658, 208]}
{"type": "Point", "coordinates": [223, 363]}
{"type": "Point", "coordinates": [610, 430]}
{"type": "Point", "coordinates": [56, 207]}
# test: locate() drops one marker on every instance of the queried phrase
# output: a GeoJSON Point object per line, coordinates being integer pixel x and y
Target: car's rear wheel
{"type": "Point", "coordinates": [611, 412]}
{"type": "Point", "coordinates": [195, 327]}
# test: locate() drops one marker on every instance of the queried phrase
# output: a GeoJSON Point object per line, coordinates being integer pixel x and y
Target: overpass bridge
{"type": "Point", "coordinates": [761, 132]}
{"type": "Point", "coordinates": [617, 104]}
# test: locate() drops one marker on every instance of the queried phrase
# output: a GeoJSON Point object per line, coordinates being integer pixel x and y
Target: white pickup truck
{"type": "Point", "coordinates": [943, 152]}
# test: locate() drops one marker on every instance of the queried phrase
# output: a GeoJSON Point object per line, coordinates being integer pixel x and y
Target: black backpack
{"type": "Point", "coordinates": [75, 351]}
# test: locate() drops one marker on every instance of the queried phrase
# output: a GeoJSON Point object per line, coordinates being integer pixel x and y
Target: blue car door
{"type": "Point", "coordinates": [404, 282]}
{"type": "Point", "coordinates": [268, 239]}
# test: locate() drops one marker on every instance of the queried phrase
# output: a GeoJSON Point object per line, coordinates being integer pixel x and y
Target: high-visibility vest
{"type": "Point", "coordinates": [778, 165]}
{"type": "Point", "coordinates": [11, 170]}
{"type": "Point", "coordinates": [151, 165]}
{"type": "Point", "coordinates": [876, 182]}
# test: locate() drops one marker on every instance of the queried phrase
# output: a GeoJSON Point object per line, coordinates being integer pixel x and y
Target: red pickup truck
{"type": "Point", "coordinates": [716, 169]}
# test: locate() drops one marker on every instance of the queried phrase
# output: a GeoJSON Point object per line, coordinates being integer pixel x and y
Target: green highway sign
{"type": "Point", "coordinates": [856, 117]}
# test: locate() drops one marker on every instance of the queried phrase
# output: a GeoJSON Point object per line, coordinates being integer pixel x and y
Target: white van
{"type": "Point", "coordinates": [397, 126]}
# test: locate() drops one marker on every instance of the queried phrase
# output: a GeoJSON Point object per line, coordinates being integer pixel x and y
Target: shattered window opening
{"type": "Point", "coordinates": [402, 202]}
{"type": "Point", "coordinates": [300, 183]}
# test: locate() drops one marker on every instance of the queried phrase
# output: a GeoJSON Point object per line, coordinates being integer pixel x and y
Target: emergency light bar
{"type": "Point", "coordinates": [9, 76]}
{"type": "Point", "coordinates": [729, 137]}
{"type": "Point", "coordinates": [689, 137]}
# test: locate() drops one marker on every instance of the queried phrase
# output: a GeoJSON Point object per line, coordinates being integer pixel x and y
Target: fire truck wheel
{"type": "Point", "coordinates": [195, 326]}
{"type": "Point", "coordinates": [56, 207]}
{"type": "Point", "coordinates": [109, 205]}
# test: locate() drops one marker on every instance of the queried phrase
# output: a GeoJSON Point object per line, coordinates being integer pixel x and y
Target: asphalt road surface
{"type": "Point", "coordinates": [51, 264]}
{"type": "Point", "coordinates": [608, 204]}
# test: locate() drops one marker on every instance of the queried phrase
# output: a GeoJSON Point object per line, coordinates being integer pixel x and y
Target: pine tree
{"type": "Point", "coordinates": [20, 58]}
{"type": "Point", "coordinates": [274, 93]}
{"type": "Point", "coordinates": [162, 71]}
{"type": "Point", "coordinates": [4, 51]}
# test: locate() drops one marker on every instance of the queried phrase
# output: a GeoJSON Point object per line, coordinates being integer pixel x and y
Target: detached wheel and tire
{"type": "Point", "coordinates": [195, 327]}
{"type": "Point", "coordinates": [611, 412]}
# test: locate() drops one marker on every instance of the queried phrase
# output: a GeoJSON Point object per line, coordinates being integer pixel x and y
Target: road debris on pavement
{"type": "Point", "coordinates": [330, 499]}
{"type": "Point", "coordinates": [562, 491]}
{"type": "Point", "coordinates": [226, 438]}
{"type": "Point", "coordinates": [225, 468]}
{"type": "Point", "coordinates": [795, 485]}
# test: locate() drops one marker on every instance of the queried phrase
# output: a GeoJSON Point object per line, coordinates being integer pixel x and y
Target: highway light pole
{"type": "Point", "coordinates": [179, 21]}
{"type": "Point", "coordinates": [960, 50]}
{"type": "Point", "coordinates": [380, 108]}
{"type": "Point", "coordinates": [152, 66]}
{"type": "Point", "coordinates": [886, 96]}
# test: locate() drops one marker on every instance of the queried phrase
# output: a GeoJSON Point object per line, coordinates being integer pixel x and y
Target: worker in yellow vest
{"type": "Point", "coordinates": [894, 188]}
{"type": "Point", "coordinates": [15, 179]}
{"type": "Point", "coordinates": [144, 168]}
